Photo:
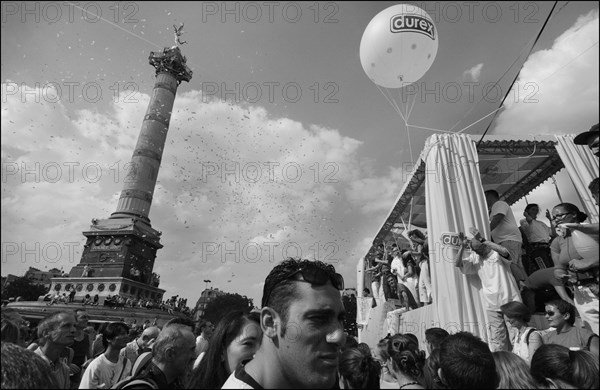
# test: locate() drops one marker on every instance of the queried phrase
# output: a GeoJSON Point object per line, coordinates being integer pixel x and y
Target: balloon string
{"type": "Point", "coordinates": [398, 109]}
{"type": "Point", "coordinates": [391, 101]}
{"type": "Point", "coordinates": [409, 143]}
{"type": "Point", "coordinates": [411, 107]}
{"type": "Point", "coordinates": [474, 123]}
{"type": "Point", "coordinates": [432, 129]}
{"type": "Point", "coordinates": [400, 102]}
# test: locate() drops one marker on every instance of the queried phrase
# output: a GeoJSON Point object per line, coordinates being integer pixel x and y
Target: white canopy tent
{"type": "Point", "coordinates": [445, 193]}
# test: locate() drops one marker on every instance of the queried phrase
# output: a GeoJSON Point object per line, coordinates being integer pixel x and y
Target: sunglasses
{"type": "Point", "coordinates": [550, 313]}
{"type": "Point", "coordinates": [312, 275]}
{"type": "Point", "coordinates": [555, 217]}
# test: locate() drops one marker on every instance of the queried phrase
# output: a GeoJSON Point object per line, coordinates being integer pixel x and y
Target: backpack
{"type": "Point", "coordinates": [141, 363]}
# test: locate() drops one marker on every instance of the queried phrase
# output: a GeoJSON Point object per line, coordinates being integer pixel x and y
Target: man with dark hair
{"type": "Point", "coordinates": [56, 332]}
{"type": "Point", "coordinates": [110, 367]}
{"type": "Point", "coordinates": [504, 231]}
{"type": "Point", "coordinates": [23, 369]}
{"type": "Point", "coordinates": [302, 319]}
{"type": "Point", "coordinates": [433, 338]}
{"type": "Point", "coordinates": [538, 236]}
{"type": "Point", "coordinates": [590, 138]}
{"type": "Point", "coordinates": [466, 362]}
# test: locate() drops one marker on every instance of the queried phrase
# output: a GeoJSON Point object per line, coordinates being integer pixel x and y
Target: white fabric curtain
{"type": "Point", "coordinates": [455, 201]}
{"type": "Point", "coordinates": [582, 167]}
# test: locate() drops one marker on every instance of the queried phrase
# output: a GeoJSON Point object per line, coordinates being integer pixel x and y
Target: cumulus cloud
{"type": "Point", "coordinates": [551, 80]}
{"type": "Point", "coordinates": [473, 73]}
{"type": "Point", "coordinates": [237, 191]}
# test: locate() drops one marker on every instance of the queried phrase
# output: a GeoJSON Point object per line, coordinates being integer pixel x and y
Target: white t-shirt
{"type": "Point", "coordinates": [199, 359]}
{"type": "Point", "coordinates": [498, 286]}
{"type": "Point", "coordinates": [102, 373]}
{"type": "Point", "coordinates": [201, 344]}
{"type": "Point", "coordinates": [536, 231]}
{"type": "Point", "coordinates": [398, 266]}
{"type": "Point", "coordinates": [506, 230]}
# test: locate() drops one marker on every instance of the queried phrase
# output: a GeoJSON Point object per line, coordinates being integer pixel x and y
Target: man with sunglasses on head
{"type": "Point", "coordinates": [302, 319]}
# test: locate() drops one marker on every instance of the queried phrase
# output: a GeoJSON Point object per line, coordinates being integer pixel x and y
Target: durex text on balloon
{"type": "Point", "coordinates": [414, 23]}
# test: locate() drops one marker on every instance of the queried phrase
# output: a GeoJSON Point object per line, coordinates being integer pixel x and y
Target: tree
{"type": "Point", "coordinates": [223, 304]}
{"type": "Point", "coordinates": [24, 288]}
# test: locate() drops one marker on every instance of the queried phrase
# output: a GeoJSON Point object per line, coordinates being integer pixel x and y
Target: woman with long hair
{"type": "Point", "coordinates": [513, 371]}
{"type": "Point", "coordinates": [527, 340]}
{"type": "Point", "coordinates": [235, 340]}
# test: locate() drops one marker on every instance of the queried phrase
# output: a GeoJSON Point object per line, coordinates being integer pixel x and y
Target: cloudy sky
{"type": "Point", "coordinates": [280, 145]}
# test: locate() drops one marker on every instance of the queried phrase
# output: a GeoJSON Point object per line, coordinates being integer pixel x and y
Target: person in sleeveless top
{"type": "Point", "coordinates": [526, 339]}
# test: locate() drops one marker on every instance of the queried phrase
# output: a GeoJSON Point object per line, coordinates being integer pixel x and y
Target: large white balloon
{"type": "Point", "coordinates": [398, 46]}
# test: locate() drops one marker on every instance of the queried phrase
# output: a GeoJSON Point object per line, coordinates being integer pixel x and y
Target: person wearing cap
{"type": "Point", "coordinates": [302, 320]}
{"type": "Point", "coordinates": [589, 138]}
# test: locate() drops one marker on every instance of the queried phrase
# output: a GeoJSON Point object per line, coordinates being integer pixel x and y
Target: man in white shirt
{"type": "Point", "coordinates": [504, 230]}
{"type": "Point", "coordinates": [538, 236]}
{"type": "Point", "coordinates": [491, 262]}
{"type": "Point", "coordinates": [110, 367]}
{"type": "Point", "coordinates": [205, 328]}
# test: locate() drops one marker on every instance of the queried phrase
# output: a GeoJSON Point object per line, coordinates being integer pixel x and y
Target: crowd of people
{"type": "Point", "coordinates": [297, 340]}
{"type": "Point", "coordinates": [512, 266]}
{"type": "Point", "coordinates": [402, 274]}
{"type": "Point", "coordinates": [169, 305]}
